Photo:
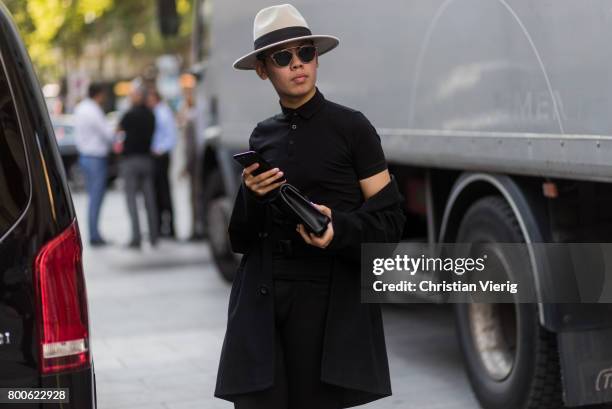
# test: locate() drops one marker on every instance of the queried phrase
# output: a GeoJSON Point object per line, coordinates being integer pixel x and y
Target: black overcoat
{"type": "Point", "coordinates": [354, 353]}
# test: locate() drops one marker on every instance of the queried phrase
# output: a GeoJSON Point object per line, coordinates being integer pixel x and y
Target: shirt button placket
{"type": "Point", "coordinates": [292, 138]}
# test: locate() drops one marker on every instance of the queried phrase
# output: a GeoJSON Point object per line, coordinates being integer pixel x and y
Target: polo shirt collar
{"type": "Point", "coordinates": [307, 109]}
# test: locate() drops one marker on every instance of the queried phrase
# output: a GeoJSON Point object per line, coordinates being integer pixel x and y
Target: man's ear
{"type": "Point", "coordinates": [261, 70]}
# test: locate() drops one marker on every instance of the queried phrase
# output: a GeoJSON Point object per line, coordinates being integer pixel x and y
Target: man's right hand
{"type": "Point", "coordinates": [264, 182]}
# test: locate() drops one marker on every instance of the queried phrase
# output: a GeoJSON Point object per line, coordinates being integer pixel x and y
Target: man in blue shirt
{"type": "Point", "coordinates": [164, 140]}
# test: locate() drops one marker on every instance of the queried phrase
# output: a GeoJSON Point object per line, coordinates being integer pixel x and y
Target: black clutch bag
{"type": "Point", "coordinates": [297, 206]}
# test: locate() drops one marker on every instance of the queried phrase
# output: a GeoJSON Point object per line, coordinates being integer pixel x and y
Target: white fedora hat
{"type": "Point", "coordinates": [280, 24]}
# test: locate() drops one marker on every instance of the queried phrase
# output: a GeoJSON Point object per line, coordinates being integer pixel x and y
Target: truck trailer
{"type": "Point", "coordinates": [494, 116]}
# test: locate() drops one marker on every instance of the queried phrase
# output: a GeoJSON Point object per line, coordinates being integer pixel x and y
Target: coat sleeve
{"type": "Point", "coordinates": [248, 215]}
{"type": "Point", "coordinates": [380, 219]}
{"type": "Point", "coordinates": [247, 219]}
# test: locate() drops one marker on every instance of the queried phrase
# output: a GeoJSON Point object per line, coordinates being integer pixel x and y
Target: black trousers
{"type": "Point", "coordinates": [163, 196]}
{"type": "Point", "coordinates": [300, 312]}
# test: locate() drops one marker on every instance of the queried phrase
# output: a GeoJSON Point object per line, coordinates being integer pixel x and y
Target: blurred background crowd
{"type": "Point", "coordinates": [116, 81]}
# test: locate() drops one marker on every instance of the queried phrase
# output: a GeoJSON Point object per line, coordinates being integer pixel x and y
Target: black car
{"type": "Point", "coordinates": [44, 323]}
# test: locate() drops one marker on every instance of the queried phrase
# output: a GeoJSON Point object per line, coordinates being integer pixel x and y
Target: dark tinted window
{"type": "Point", "coordinates": [14, 181]}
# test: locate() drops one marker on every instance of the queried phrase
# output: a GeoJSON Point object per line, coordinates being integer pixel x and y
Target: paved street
{"type": "Point", "coordinates": [158, 319]}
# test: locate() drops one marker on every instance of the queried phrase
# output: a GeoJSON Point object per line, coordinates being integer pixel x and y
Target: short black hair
{"type": "Point", "coordinates": [95, 89]}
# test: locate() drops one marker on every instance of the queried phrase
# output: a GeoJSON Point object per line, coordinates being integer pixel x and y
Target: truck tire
{"type": "Point", "coordinates": [511, 361]}
{"type": "Point", "coordinates": [218, 209]}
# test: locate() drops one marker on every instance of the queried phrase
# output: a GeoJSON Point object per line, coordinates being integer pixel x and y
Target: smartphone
{"type": "Point", "coordinates": [248, 158]}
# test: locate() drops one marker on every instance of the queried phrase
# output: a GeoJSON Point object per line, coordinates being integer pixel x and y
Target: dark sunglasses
{"type": "Point", "coordinates": [282, 58]}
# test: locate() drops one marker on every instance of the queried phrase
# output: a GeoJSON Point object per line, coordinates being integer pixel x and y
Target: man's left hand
{"type": "Point", "coordinates": [311, 238]}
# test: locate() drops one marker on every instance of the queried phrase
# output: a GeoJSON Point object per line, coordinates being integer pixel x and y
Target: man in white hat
{"type": "Point", "coordinates": [297, 334]}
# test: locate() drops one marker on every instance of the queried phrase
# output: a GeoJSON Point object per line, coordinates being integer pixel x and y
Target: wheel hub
{"type": "Point", "coordinates": [493, 328]}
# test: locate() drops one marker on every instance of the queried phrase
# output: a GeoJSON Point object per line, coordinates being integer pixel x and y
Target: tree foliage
{"type": "Point", "coordinates": [55, 30]}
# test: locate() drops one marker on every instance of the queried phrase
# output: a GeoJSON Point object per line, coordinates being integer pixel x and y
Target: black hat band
{"type": "Point", "coordinates": [280, 35]}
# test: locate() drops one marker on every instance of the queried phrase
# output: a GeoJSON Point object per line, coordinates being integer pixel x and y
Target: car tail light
{"type": "Point", "coordinates": [62, 304]}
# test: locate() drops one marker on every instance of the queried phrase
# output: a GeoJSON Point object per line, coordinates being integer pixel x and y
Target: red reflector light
{"type": "Point", "coordinates": [62, 304]}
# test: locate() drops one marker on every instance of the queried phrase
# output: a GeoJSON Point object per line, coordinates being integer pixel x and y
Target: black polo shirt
{"type": "Point", "coordinates": [139, 126]}
{"type": "Point", "coordinates": [324, 149]}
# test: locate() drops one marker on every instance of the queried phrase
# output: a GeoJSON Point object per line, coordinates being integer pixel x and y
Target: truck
{"type": "Point", "coordinates": [494, 116]}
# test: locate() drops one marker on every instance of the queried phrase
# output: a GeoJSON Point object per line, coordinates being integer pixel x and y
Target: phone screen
{"type": "Point", "coordinates": [248, 158]}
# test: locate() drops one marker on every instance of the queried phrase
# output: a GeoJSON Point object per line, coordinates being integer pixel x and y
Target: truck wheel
{"type": "Point", "coordinates": [511, 361]}
{"type": "Point", "coordinates": [218, 211]}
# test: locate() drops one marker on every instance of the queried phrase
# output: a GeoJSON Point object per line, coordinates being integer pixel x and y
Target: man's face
{"type": "Point", "coordinates": [152, 100]}
{"type": "Point", "coordinates": [286, 80]}
{"type": "Point", "coordinates": [100, 98]}
{"type": "Point", "coordinates": [136, 97]}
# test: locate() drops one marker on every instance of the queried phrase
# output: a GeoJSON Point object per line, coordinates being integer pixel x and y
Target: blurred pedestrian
{"type": "Point", "coordinates": [187, 116]}
{"type": "Point", "coordinates": [137, 164]}
{"type": "Point", "coordinates": [94, 138]}
{"type": "Point", "coordinates": [164, 141]}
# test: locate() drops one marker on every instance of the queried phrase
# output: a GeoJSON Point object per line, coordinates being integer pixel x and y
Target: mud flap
{"type": "Point", "coordinates": [586, 366]}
